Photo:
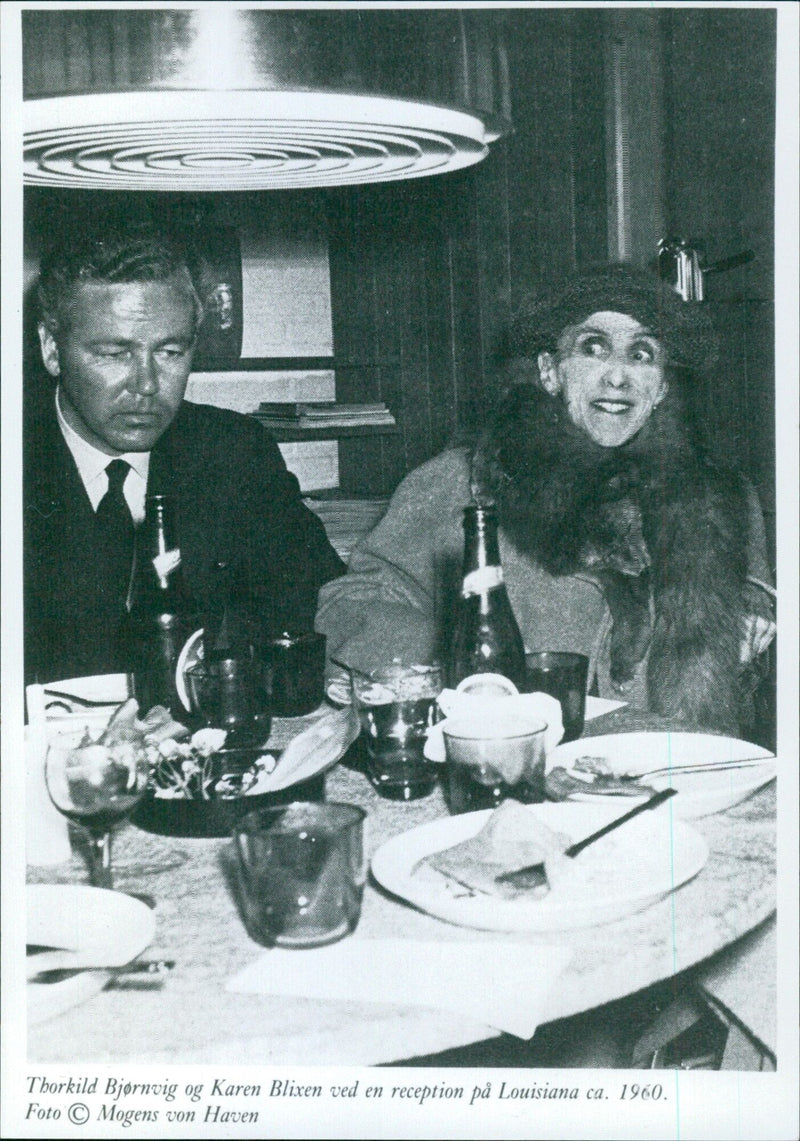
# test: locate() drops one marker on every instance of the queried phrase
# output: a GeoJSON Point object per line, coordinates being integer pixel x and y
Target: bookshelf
{"type": "Point", "coordinates": [324, 432]}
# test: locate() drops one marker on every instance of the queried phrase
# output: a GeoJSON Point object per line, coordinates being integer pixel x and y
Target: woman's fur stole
{"type": "Point", "coordinates": [661, 530]}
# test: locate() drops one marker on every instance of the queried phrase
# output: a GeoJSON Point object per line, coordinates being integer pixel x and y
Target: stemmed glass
{"type": "Point", "coordinates": [96, 787]}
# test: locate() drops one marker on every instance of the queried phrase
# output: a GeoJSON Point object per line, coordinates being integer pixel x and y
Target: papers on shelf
{"type": "Point", "coordinates": [314, 462]}
{"type": "Point", "coordinates": [323, 415]}
{"type": "Point", "coordinates": [347, 521]}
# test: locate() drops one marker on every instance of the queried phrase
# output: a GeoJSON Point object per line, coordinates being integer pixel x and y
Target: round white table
{"type": "Point", "coordinates": [192, 1019]}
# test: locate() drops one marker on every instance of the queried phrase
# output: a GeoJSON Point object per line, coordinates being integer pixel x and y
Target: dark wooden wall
{"type": "Point", "coordinates": [720, 104]}
{"type": "Point", "coordinates": [425, 274]}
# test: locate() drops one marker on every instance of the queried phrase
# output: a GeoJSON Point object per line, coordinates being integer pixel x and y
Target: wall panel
{"type": "Point", "coordinates": [426, 274]}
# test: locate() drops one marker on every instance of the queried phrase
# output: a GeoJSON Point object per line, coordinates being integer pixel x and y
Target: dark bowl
{"type": "Point", "coordinates": [207, 819]}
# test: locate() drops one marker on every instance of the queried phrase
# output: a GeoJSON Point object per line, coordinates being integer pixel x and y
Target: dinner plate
{"type": "Point", "coordinates": [701, 794]}
{"type": "Point", "coordinates": [625, 872]}
{"type": "Point", "coordinates": [114, 926]}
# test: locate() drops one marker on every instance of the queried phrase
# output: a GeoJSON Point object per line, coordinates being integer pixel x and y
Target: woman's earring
{"type": "Point", "coordinates": [547, 374]}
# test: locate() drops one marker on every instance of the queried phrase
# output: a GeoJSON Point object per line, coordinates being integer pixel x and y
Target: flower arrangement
{"type": "Point", "coordinates": [196, 767]}
{"type": "Point", "coordinates": [201, 769]}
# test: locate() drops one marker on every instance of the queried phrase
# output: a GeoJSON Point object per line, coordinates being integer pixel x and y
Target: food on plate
{"type": "Point", "coordinates": [597, 766]}
{"type": "Point", "coordinates": [203, 769]}
{"type": "Point", "coordinates": [515, 839]}
{"type": "Point", "coordinates": [593, 775]}
{"type": "Point", "coordinates": [512, 838]}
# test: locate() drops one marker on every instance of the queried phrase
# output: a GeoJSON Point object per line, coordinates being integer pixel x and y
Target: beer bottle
{"type": "Point", "coordinates": [162, 613]}
{"type": "Point", "coordinates": [486, 637]}
{"type": "Point", "coordinates": [228, 692]}
{"type": "Point", "coordinates": [226, 623]}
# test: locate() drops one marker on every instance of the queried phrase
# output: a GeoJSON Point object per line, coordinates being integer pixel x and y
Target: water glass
{"type": "Point", "coordinates": [396, 706]}
{"type": "Point", "coordinates": [294, 673]}
{"type": "Point", "coordinates": [302, 869]}
{"type": "Point", "coordinates": [229, 694]}
{"type": "Point", "coordinates": [563, 676]}
{"type": "Point", "coordinates": [493, 758]}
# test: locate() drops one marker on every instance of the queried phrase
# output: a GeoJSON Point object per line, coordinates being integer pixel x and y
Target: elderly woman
{"type": "Point", "coordinates": [619, 538]}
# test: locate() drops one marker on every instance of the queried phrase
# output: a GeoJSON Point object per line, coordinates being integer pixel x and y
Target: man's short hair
{"type": "Point", "coordinates": [135, 252]}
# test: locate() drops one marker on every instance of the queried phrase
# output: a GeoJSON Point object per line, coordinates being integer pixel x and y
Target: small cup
{"type": "Point", "coordinates": [396, 706]}
{"type": "Point", "coordinates": [302, 870]}
{"type": "Point", "coordinates": [229, 695]}
{"type": "Point", "coordinates": [294, 673]}
{"type": "Point", "coordinates": [563, 676]}
{"type": "Point", "coordinates": [491, 759]}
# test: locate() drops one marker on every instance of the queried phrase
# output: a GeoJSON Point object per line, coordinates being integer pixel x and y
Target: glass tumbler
{"type": "Point", "coordinates": [563, 676]}
{"type": "Point", "coordinates": [491, 759]}
{"type": "Point", "coordinates": [302, 870]}
{"type": "Point", "coordinates": [396, 706]}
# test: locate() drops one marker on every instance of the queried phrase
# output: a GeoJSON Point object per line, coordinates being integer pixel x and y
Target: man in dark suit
{"type": "Point", "coordinates": [119, 319]}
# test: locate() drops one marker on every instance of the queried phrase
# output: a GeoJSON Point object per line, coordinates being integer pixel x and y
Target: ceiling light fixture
{"type": "Point", "coordinates": [237, 99]}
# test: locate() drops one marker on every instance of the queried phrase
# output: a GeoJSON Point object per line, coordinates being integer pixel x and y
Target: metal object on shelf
{"type": "Point", "coordinates": [679, 264]}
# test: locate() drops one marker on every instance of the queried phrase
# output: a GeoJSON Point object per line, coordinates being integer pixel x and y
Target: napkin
{"type": "Point", "coordinates": [501, 984]}
{"type": "Point", "coordinates": [526, 706]}
{"type": "Point", "coordinates": [324, 742]}
{"type": "Point", "coordinates": [46, 830]}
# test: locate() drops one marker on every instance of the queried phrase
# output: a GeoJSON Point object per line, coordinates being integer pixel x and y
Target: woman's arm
{"type": "Point", "coordinates": [385, 606]}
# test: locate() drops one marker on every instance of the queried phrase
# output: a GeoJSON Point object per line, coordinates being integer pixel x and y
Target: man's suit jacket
{"type": "Point", "coordinates": [235, 501]}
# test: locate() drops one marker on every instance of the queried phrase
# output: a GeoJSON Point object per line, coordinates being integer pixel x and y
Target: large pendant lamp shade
{"type": "Point", "coordinates": [223, 98]}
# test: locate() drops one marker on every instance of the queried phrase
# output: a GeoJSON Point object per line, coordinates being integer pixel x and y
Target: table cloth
{"type": "Point", "coordinates": [193, 1020]}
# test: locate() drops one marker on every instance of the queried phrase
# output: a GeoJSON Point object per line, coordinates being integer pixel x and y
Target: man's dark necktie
{"type": "Point", "coordinates": [116, 533]}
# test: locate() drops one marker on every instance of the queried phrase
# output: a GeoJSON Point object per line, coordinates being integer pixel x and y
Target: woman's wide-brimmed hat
{"type": "Point", "coordinates": [683, 327]}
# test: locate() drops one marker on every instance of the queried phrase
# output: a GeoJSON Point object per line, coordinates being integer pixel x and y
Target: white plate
{"type": "Point", "coordinates": [77, 917]}
{"type": "Point", "coordinates": [701, 794]}
{"type": "Point", "coordinates": [625, 872]}
{"type": "Point", "coordinates": [112, 689]}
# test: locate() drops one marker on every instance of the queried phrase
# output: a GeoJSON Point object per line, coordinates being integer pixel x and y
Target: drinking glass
{"type": "Point", "coordinates": [396, 706]}
{"type": "Point", "coordinates": [294, 672]}
{"type": "Point", "coordinates": [302, 870]}
{"type": "Point", "coordinates": [563, 676]}
{"type": "Point", "coordinates": [493, 758]}
{"type": "Point", "coordinates": [229, 694]}
{"type": "Point", "coordinates": [97, 787]}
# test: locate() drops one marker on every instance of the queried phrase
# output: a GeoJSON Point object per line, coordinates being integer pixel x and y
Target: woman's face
{"type": "Point", "coordinates": [609, 371]}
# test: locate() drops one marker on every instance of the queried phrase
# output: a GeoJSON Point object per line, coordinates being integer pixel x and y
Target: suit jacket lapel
{"type": "Point", "coordinates": [65, 597]}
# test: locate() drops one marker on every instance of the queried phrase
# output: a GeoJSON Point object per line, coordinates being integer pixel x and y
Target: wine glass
{"type": "Point", "coordinates": [96, 787]}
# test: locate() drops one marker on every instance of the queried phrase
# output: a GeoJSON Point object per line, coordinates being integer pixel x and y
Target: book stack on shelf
{"type": "Point", "coordinates": [324, 417]}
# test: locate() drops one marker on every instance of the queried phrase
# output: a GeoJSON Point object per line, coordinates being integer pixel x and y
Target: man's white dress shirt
{"type": "Point", "coordinates": [92, 463]}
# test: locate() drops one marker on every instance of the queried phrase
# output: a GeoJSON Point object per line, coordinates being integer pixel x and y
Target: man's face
{"type": "Point", "coordinates": [123, 355]}
{"type": "Point", "coordinates": [609, 370]}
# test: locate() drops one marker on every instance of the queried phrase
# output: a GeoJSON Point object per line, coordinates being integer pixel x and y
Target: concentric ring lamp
{"type": "Point", "coordinates": [224, 98]}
